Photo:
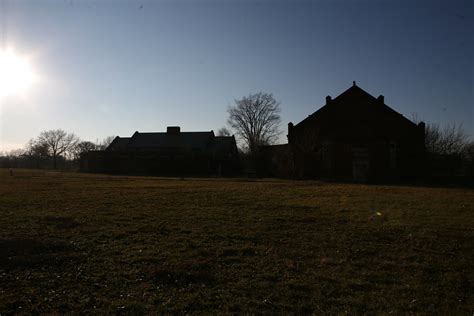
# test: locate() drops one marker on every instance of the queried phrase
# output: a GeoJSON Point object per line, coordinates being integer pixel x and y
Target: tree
{"type": "Point", "coordinates": [450, 140]}
{"type": "Point", "coordinates": [83, 147]}
{"type": "Point", "coordinates": [36, 152]}
{"type": "Point", "coordinates": [58, 143]}
{"type": "Point", "coordinates": [223, 132]}
{"type": "Point", "coordinates": [36, 149]}
{"type": "Point", "coordinates": [12, 158]}
{"type": "Point", "coordinates": [469, 151]}
{"type": "Point", "coordinates": [256, 120]}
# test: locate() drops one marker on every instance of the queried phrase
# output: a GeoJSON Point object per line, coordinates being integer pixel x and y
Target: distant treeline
{"type": "Point", "coordinates": [449, 152]}
{"type": "Point", "coordinates": [52, 149]}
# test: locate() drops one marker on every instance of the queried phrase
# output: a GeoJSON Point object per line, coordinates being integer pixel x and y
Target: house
{"type": "Point", "coordinates": [168, 153]}
{"type": "Point", "coordinates": [355, 136]}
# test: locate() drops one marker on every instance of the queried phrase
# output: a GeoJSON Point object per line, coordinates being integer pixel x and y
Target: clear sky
{"type": "Point", "coordinates": [114, 67]}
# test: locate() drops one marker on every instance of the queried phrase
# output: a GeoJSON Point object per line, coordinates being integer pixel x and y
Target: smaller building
{"type": "Point", "coordinates": [167, 153]}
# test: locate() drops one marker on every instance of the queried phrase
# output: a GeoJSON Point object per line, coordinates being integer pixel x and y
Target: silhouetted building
{"type": "Point", "coordinates": [354, 136]}
{"type": "Point", "coordinates": [170, 153]}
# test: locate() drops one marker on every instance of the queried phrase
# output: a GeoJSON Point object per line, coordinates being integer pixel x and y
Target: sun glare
{"type": "Point", "coordinates": [16, 74]}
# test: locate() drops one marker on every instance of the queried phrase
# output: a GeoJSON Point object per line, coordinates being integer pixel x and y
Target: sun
{"type": "Point", "coordinates": [16, 74]}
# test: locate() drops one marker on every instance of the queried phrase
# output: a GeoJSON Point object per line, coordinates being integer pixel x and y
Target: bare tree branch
{"type": "Point", "coordinates": [223, 132]}
{"type": "Point", "coordinates": [102, 145]}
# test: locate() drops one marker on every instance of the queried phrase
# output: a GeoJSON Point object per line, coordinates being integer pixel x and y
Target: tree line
{"type": "Point", "coordinates": [52, 149]}
{"type": "Point", "coordinates": [449, 150]}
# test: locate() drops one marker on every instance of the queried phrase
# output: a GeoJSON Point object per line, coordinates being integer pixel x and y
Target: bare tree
{"type": "Point", "coordinates": [469, 151]}
{"type": "Point", "coordinates": [256, 120]}
{"type": "Point", "coordinates": [446, 141]}
{"type": "Point", "coordinates": [83, 147]}
{"type": "Point", "coordinates": [35, 149]}
{"type": "Point", "coordinates": [58, 143]}
{"type": "Point", "coordinates": [102, 145]}
{"type": "Point", "coordinates": [36, 152]}
{"type": "Point", "coordinates": [11, 158]}
{"type": "Point", "coordinates": [450, 140]}
{"type": "Point", "coordinates": [223, 132]}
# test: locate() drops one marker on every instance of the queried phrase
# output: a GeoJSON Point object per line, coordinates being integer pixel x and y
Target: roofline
{"type": "Point", "coordinates": [354, 86]}
{"type": "Point", "coordinates": [137, 132]}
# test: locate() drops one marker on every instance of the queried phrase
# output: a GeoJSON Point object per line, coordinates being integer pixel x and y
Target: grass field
{"type": "Point", "coordinates": [79, 243]}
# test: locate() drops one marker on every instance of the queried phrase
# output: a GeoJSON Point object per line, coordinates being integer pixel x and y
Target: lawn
{"type": "Point", "coordinates": [80, 243]}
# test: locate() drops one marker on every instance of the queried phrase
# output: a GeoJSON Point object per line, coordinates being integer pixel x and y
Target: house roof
{"type": "Point", "coordinates": [119, 143]}
{"type": "Point", "coordinates": [183, 140]}
{"type": "Point", "coordinates": [357, 98]}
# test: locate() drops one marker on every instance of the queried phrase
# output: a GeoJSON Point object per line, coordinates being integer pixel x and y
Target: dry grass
{"type": "Point", "coordinates": [77, 243]}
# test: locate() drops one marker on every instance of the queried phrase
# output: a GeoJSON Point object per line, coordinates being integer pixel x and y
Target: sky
{"type": "Point", "coordinates": [114, 67]}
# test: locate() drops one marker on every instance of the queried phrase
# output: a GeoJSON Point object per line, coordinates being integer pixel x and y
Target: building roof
{"type": "Point", "coordinates": [119, 143]}
{"type": "Point", "coordinates": [181, 140]}
{"type": "Point", "coordinates": [224, 145]}
{"type": "Point", "coordinates": [356, 100]}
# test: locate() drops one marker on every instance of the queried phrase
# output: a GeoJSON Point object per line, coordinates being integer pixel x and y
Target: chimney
{"type": "Point", "coordinates": [381, 99]}
{"type": "Point", "coordinates": [173, 130]}
{"type": "Point", "coordinates": [328, 99]}
{"type": "Point", "coordinates": [422, 127]}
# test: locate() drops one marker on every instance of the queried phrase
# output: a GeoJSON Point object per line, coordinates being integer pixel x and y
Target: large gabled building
{"type": "Point", "coordinates": [168, 153]}
{"type": "Point", "coordinates": [356, 136]}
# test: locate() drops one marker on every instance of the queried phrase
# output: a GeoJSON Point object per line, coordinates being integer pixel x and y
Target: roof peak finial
{"type": "Point", "coordinates": [353, 83]}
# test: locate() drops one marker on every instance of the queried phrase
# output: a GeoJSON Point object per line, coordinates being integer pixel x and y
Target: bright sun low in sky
{"type": "Point", "coordinates": [16, 74]}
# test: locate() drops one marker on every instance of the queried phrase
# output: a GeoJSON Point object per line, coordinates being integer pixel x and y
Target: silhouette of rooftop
{"type": "Point", "coordinates": [355, 96]}
{"type": "Point", "coordinates": [119, 143]}
{"type": "Point", "coordinates": [188, 140]}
